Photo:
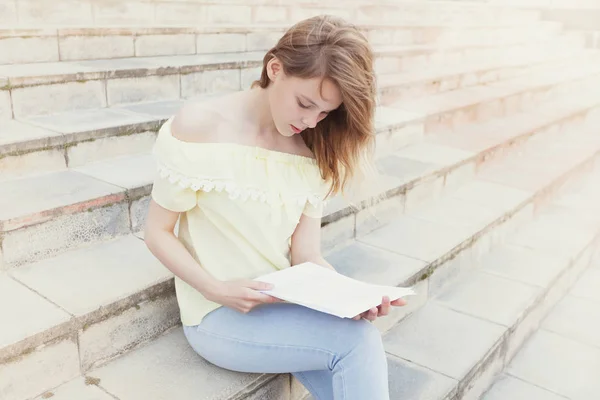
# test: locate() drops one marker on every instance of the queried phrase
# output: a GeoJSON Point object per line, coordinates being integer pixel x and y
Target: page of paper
{"type": "Point", "coordinates": [325, 290]}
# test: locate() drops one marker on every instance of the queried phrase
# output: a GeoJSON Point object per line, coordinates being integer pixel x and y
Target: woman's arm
{"type": "Point", "coordinates": [160, 238]}
{"type": "Point", "coordinates": [306, 242]}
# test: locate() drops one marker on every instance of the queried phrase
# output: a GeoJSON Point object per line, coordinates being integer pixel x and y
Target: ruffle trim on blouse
{"type": "Point", "coordinates": [235, 190]}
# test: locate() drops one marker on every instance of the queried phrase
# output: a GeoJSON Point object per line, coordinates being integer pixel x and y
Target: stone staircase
{"type": "Point", "coordinates": [580, 15]}
{"type": "Point", "coordinates": [486, 135]}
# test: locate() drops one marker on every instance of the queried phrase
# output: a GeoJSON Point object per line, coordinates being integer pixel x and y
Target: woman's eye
{"type": "Point", "coordinates": [302, 105]}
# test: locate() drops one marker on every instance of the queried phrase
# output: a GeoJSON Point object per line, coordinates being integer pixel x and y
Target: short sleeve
{"type": "Point", "coordinates": [172, 196]}
{"type": "Point", "coordinates": [313, 209]}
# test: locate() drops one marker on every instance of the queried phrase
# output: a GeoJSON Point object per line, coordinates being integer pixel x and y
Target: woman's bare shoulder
{"type": "Point", "coordinates": [202, 121]}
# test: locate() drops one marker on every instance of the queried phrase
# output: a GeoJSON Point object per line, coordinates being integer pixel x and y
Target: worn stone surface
{"type": "Point", "coordinates": [261, 41]}
{"type": "Point", "coordinates": [228, 14]}
{"type": "Point", "coordinates": [411, 381]}
{"type": "Point", "coordinates": [210, 43]}
{"type": "Point", "coordinates": [8, 12]}
{"type": "Point", "coordinates": [169, 368]}
{"type": "Point", "coordinates": [83, 280]}
{"type": "Point", "coordinates": [5, 104]}
{"type": "Point", "coordinates": [23, 165]}
{"type": "Point", "coordinates": [63, 233]}
{"type": "Point", "coordinates": [75, 389]}
{"type": "Point", "coordinates": [27, 50]}
{"type": "Point", "coordinates": [277, 389]}
{"type": "Point", "coordinates": [138, 212]}
{"type": "Point", "coordinates": [337, 233]}
{"type": "Point", "coordinates": [99, 150]}
{"type": "Point", "coordinates": [150, 88]}
{"type": "Point", "coordinates": [200, 83]}
{"type": "Point", "coordinates": [88, 122]}
{"type": "Point", "coordinates": [523, 265]}
{"type": "Point", "coordinates": [404, 169]}
{"type": "Point", "coordinates": [424, 193]}
{"type": "Point", "coordinates": [91, 47]}
{"type": "Point", "coordinates": [415, 238]}
{"type": "Point", "coordinates": [119, 13]}
{"type": "Point", "coordinates": [577, 319]}
{"type": "Point", "coordinates": [452, 353]}
{"type": "Point", "coordinates": [249, 75]}
{"type": "Point", "coordinates": [156, 109]}
{"type": "Point", "coordinates": [46, 367]}
{"type": "Point", "coordinates": [508, 387]}
{"type": "Point", "coordinates": [434, 154]}
{"type": "Point", "coordinates": [30, 313]}
{"type": "Point", "coordinates": [379, 214]}
{"type": "Point", "coordinates": [120, 333]}
{"type": "Point", "coordinates": [165, 45]}
{"type": "Point", "coordinates": [30, 101]}
{"type": "Point", "coordinates": [587, 286]}
{"type": "Point", "coordinates": [558, 238]}
{"type": "Point", "coordinates": [69, 12]}
{"type": "Point", "coordinates": [558, 364]}
{"type": "Point", "coordinates": [491, 195]}
{"type": "Point", "coordinates": [456, 212]}
{"type": "Point", "coordinates": [61, 190]}
{"type": "Point", "coordinates": [373, 265]}
{"type": "Point", "coordinates": [486, 296]}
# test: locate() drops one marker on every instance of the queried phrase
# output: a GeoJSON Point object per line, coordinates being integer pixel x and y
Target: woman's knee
{"type": "Point", "coordinates": [366, 335]}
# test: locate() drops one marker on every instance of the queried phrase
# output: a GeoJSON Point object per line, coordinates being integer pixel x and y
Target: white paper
{"type": "Point", "coordinates": [322, 289]}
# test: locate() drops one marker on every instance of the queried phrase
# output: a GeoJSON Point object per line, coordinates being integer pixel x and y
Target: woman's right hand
{"type": "Point", "coordinates": [241, 295]}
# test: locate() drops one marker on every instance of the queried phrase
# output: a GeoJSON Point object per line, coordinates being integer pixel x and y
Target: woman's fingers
{"type": "Point", "coordinates": [384, 308]}
{"type": "Point", "coordinates": [399, 302]}
{"type": "Point", "coordinates": [381, 310]}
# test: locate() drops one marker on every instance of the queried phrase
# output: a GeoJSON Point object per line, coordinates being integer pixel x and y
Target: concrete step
{"type": "Point", "coordinates": [154, 12]}
{"type": "Point", "coordinates": [414, 84]}
{"type": "Point", "coordinates": [73, 138]}
{"type": "Point", "coordinates": [463, 337]}
{"type": "Point", "coordinates": [436, 246]}
{"type": "Point", "coordinates": [453, 109]}
{"type": "Point", "coordinates": [559, 360]}
{"type": "Point", "coordinates": [25, 89]}
{"type": "Point", "coordinates": [18, 46]}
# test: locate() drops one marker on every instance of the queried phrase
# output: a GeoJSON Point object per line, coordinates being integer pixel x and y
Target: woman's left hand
{"type": "Point", "coordinates": [381, 310]}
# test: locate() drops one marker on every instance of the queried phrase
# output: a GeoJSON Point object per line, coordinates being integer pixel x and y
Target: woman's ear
{"type": "Point", "coordinates": [274, 69]}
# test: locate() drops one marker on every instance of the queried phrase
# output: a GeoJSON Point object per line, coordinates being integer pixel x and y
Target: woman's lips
{"type": "Point", "coordinates": [295, 130]}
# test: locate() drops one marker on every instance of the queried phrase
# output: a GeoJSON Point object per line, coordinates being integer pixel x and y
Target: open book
{"type": "Point", "coordinates": [324, 290]}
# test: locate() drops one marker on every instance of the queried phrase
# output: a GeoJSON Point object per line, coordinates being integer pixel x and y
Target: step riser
{"type": "Point", "coordinates": [393, 93]}
{"type": "Point", "coordinates": [89, 90]}
{"type": "Point", "coordinates": [93, 13]}
{"type": "Point", "coordinates": [76, 155]}
{"type": "Point", "coordinates": [500, 107]}
{"type": "Point", "coordinates": [65, 45]}
{"type": "Point", "coordinates": [103, 340]}
{"type": "Point", "coordinates": [395, 64]}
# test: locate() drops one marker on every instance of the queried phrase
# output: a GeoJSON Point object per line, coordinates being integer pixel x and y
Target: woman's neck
{"type": "Point", "coordinates": [259, 113]}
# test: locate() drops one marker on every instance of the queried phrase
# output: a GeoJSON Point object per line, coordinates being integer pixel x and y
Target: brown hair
{"type": "Point", "coordinates": [329, 47]}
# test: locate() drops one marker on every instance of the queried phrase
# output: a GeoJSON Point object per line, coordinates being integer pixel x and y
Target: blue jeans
{"type": "Point", "coordinates": [334, 358]}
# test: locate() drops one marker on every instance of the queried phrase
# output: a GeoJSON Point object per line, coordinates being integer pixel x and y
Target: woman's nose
{"type": "Point", "coordinates": [311, 120]}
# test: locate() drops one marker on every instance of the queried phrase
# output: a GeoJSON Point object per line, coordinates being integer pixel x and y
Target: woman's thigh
{"type": "Point", "coordinates": [278, 338]}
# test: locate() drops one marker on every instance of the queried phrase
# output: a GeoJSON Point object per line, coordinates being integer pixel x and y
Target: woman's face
{"type": "Point", "coordinates": [297, 104]}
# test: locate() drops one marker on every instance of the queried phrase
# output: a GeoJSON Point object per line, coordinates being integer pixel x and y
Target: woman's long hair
{"type": "Point", "coordinates": [330, 48]}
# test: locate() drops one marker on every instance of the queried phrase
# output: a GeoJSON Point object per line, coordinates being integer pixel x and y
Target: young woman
{"type": "Point", "coordinates": [246, 175]}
